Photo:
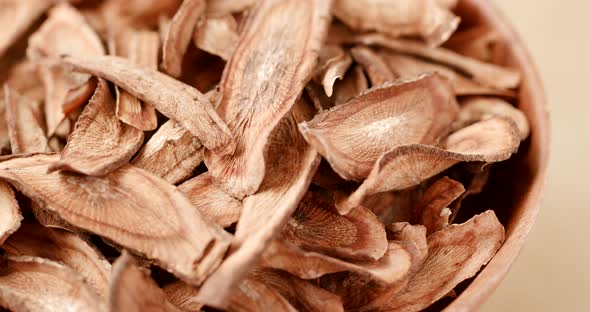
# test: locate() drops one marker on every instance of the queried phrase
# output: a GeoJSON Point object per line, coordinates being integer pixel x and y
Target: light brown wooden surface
{"type": "Point", "coordinates": [552, 272]}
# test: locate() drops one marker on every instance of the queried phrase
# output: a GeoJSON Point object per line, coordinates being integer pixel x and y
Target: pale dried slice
{"type": "Point", "coordinates": [218, 36]}
{"type": "Point", "coordinates": [352, 85]}
{"type": "Point", "coordinates": [449, 4]}
{"type": "Point", "coordinates": [100, 142]}
{"type": "Point", "coordinates": [114, 15]}
{"type": "Point", "coordinates": [25, 123]}
{"type": "Point", "coordinates": [129, 206]}
{"type": "Point", "coordinates": [274, 60]}
{"type": "Point", "coordinates": [433, 209]}
{"type": "Point", "coordinates": [423, 18]}
{"type": "Point", "coordinates": [488, 141]}
{"type": "Point", "coordinates": [352, 136]}
{"type": "Point", "coordinates": [16, 16]}
{"type": "Point", "coordinates": [35, 284]}
{"type": "Point", "coordinates": [218, 8]}
{"type": "Point", "coordinates": [253, 296]}
{"type": "Point", "coordinates": [183, 296]}
{"type": "Point", "coordinates": [482, 43]}
{"type": "Point", "coordinates": [333, 63]}
{"type": "Point", "coordinates": [133, 290]}
{"type": "Point", "coordinates": [10, 216]}
{"type": "Point", "coordinates": [171, 97]}
{"type": "Point", "coordinates": [317, 226]}
{"type": "Point", "coordinates": [63, 247]}
{"type": "Point", "coordinates": [172, 153]}
{"type": "Point", "coordinates": [374, 65]}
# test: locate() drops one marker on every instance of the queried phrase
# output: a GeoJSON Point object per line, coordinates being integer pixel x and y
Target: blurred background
{"type": "Point", "coordinates": [552, 271]}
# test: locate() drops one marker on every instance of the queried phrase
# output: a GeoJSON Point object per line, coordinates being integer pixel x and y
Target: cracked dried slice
{"type": "Point", "coordinates": [333, 63]}
{"type": "Point", "coordinates": [129, 206]}
{"type": "Point", "coordinates": [171, 97]}
{"type": "Point", "coordinates": [317, 226]}
{"type": "Point", "coordinates": [179, 34]}
{"type": "Point", "coordinates": [489, 141]}
{"type": "Point", "coordinates": [274, 60]}
{"type": "Point", "coordinates": [25, 123]}
{"type": "Point", "coordinates": [218, 36]}
{"type": "Point", "coordinates": [16, 16]}
{"type": "Point", "coordinates": [374, 65]}
{"type": "Point", "coordinates": [35, 284]}
{"type": "Point", "coordinates": [183, 296]}
{"type": "Point", "coordinates": [10, 214]}
{"type": "Point", "coordinates": [433, 211]}
{"type": "Point", "coordinates": [252, 296]}
{"type": "Point", "coordinates": [63, 247]}
{"type": "Point", "coordinates": [172, 153]}
{"type": "Point", "coordinates": [352, 85]}
{"type": "Point", "coordinates": [354, 135]}
{"type": "Point", "coordinates": [100, 142]}
{"type": "Point", "coordinates": [424, 18]}
{"type": "Point", "coordinates": [481, 43]}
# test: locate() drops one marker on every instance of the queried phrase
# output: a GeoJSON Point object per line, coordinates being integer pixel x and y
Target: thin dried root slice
{"type": "Point", "coordinates": [481, 43]}
{"type": "Point", "coordinates": [213, 202]}
{"type": "Point", "coordinates": [25, 123]}
{"type": "Point", "coordinates": [36, 284]}
{"type": "Point", "coordinates": [113, 15]}
{"type": "Point", "coordinates": [63, 247]}
{"type": "Point", "coordinates": [100, 142]}
{"type": "Point", "coordinates": [172, 153]}
{"type": "Point", "coordinates": [424, 18]}
{"type": "Point", "coordinates": [218, 8]}
{"type": "Point", "coordinates": [455, 254]}
{"type": "Point", "coordinates": [352, 85]}
{"type": "Point", "coordinates": [417, 111]}
{"type": "Point", "coordinates": [179, 34]}
{"type": "Point", "coordinates": [133, 290]}
{"type": "Point", "coordinates": [488, 141]}
{"type": "Point", "coordinates": [218, 36]}
{"type": "Point", "coordinates": [479, 178]}
{"type": "Point", "coordinates": [274, 60]}
{"type": "Point", "coordinates": [183, 296]}
{"type": "Point", "coordinates": [317, 226]}
{"type": "Point", "coordinates": [129, 206]}
{"type": "Point", "coordinates": [16, 16]}
{"type": "Point", "coordinates": [10, 214]}
{"type": "Point", "coordinates": [171, 97]}
{"type": "Point", "coordinates": [23, 78]}
{"type": "Point", "coordinates": [140, 47]}
{"type": "Point", "coordinates": [333, 63]}
{"type": "Point", "coordinates": [433, 210]}
{"type": "Point", "coordinates": [375, 66]}
{"type": "Point", "coordinates": [252, 295]}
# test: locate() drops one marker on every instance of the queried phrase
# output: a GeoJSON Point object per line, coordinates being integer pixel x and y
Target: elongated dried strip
{"type": "Point", "coordinates": [16, 16]}
{"type": "Point", "coordinates": [352, 136]}
{"type": "Point", "coordinates": [36, 284]}
{"type": "Point", "coordinates": [63, 247]}
{"type": "Point", "coordinates": [172, 153]}
{"type": "Point", "coordinates": [25, 123]}
{"type": "Point", "coordinates": [10, 214]}
{"type": "Point", "coordinates": [183, 296]}
{"type": "Point", "coordinates": [218, 36]}
{"type": "Point", "coordinates": [481, 43]}
{"type": "Point", "coordinates": [253, 295]}
{"type": "Point", "coordinates": [352, 85]}
{"type": "Point", "coordinates": [334, 61]}
{"type": "Point", "coordinates": [129, 206]}
{"type": "Point", "coordinates": [479, 108]}
{"type": "Point", "coordinates": [274, 59]}
{"type": "Point", "coordinates": [375, 66]}
{"type": "Point", "coordinates": [424, 18]}
{"type": "Point", "coordinates": [176, 100]}
{"type": "Point", "coordinates": [489, 141]}
{"type": "Point", "coordinates": [223, 7]}
{"type": "Point", "coordinates": [433, 209]}
{"type": "Point", "coordinates": [100, 143]}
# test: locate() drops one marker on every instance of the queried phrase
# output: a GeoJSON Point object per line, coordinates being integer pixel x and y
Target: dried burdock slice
{"type": "Point", "coordinates": [253, 295]}
{"type": "Point", "coordinates": [433, 209]}
{"type": "Point", "coordinates": [481, 43]}
{"type": "Point", "coordinates": [218, 36]}
{"type": "Point", "coordinates": [10, 214]}
{"type": "Point", "coordinates": [218, 8]}
{"type": "Point", "coordinates": [179, 35]}
{"type": "Point", "coordinates": [351, 137]}
{"type": "Point", "coordinates": [274, 60]}
{"type": "Point", "coordinates": [130, 207]}
{"type": "Point", "coordinates": [424, 18]}
{"type": "Point", "coordinates": [183, 296]}
{"type": "Point", "coordinates": [171, 97]}
{"type": "Point", "coordinates": [488, 141]}
{"type": "Point", "coordinates": [132, 289]}
{"type": "Point", "coordinates": [317, 226]}
{"type": "Point", "coordinates": [172, 153]}
{"type": "Point", "coordinates": [16, 16]}
{"type": "Point", "coordinates": [374, 65]}
{"type": "Point", "coordinates": [36, 284]}
{"type": "Point", "coordinates": [25, 123]}
{"type": "Point", "coordinates": [63, 247]}
{"type": "Point", "coordinates": [334, 61]}
{"type": "Point", "coordinates": [352, 85]}
{"type": "Point", "coordinates": [100, 142]}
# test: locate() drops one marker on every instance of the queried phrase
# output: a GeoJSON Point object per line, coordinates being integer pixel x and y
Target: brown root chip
{"type": "Point", "coordinates": [274, 59]}
{"type": "Point", "coordinates": [333, 63]}
{"type": "Point", "coordinates": [172, 153]}
{"type": "Point", "coordinates": [375, 66]}
{"type": "Point", "coordinates": [16, 16]}
{"type": "Point", "coordinates": [481, 43]}
{"type": "Point", "coordinates": [36, 284]}
{"type": "Point", "coordinates": [171, 97]}
{"type": "Point", "coordinates": [25, 123]}
{"type": "Point", "coordinates": [218, 8]}
{"type": "Point", "coordinates": [480, 108]}
{"type": "Point", "coordinates": [183, 296]}
{"type": "Point", "coordinates": [253, 295]}
{"type": "Point", "coordinates": [353, 136]}
{"type": "Point", "coordinates": [424, 18]}
{"type": "Point", "coordinates": [10, 214]}
{"type": "Point", "coordinates": [352, 85]}
{"type": "Point", "coordinates": [179, 34]}
{"type": "Point", "coordinates": [218, 36]}
{"type": "Point", "coordinates": [100, 143]}
{"type": "Point", "coordinates": [433, 209]}
{"type": "Point", "coordinates": [63, 247]}
{"type": "Point", "coordinates": [129, 206]}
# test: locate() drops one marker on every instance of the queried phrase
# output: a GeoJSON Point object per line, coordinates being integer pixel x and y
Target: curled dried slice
{"type": "Point", "coordinates": [129, 206]}
{"type": "Point", "coordinates": [179, 34]}
{"type": "Point", "coordinates": [224, 7]}
{"type": "Point", "coordinates": [274, 60]}
{"type": "Point", "coordinates": [354, 135]}
{"type": "Point", "coordinates": [489, 141]}
{"type": "Point", "coordinates": [25, 123]}
{"type": "Point", "coordinates": [171, 97]}
{"type": "Point", "coordinates": [213, 202]}
{"type": "Point", "coordinates": [9, 211]}
{"type": "Point", "coordinates": [16, 16]}
{"type": "Point", "coordinates": [63, 247]}
{"type": "Point", "coordinates": [481, 43]}
{"type": "Point", "coordinates": [334, 61]}
{"type": "Point", "coordinates": [433, 209]}
{"type": "Point", "coordinates": [352, 85]}
{"type": "Point", "coordinates": [100, 142]}
{"type": "Point", "coordinates": [424, 18]}
{"type": "Point", "coordinates": [375, 66]}
{"type": "Point", "coordinates": [35, 284]}
{"type": "Point", "coordinates": [218, 36]}
{"type": "Point", "coordinates": [172, 153]}
{"type": "Point", "coordinates": [253, 295]}
{"type": "Point", "coordinates": [183, 296]}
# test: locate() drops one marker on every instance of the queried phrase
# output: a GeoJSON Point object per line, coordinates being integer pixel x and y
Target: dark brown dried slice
{"type": "Point", "coordinates": [218, 8]}
{"type": "Point", "coordinates": [172, 153]}
{"type": "Point", "coordinates": [334, 61]}
{"type": "Point", "coordinates": [374, 65]}
{"type": "Point", "coordinates": [63, 247]}
{"type": "Point", "coordinates": [183, 296]}
{"type": "Point", "coordinates": [100, 142]}
{"type": "Point", "coordinates": [25, 123]}
{"type": "Point", "coordinates": [433, 209]}
{"type": "Point", "coordinates": [171, 97]}
{"type": "Point", "coordinates": [481, 43]}
{"type": "Point", "coordinates": [253, 296]}
{"type": "Point", "coordinates": [10, 216]}
{"type": "Point", "coordinates": [318, 96]}
{"type": "Point", "coordinates": [479, 178]}
{"type": "Point", "coordinates": [179, 35]}
{"type": "Point", "coordinates": [16, 16]}
{"type": "Point", "coordinates": [129, 206]}
{"type": "Point", "coordinates": [352, 85]}
{"type": "Point", "coordinates": [424, 18]}
{"type": "Point", "coordinates": [218, 36]}
{"type": "Point", "coordinates": [352, 136]}
{"type": "Point", "coordinates": [35, 284]}
{"type": "Point", "coordinates": [274, 60]}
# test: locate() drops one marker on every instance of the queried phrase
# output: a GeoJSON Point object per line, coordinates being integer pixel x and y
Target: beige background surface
{"type": "Point", "coordinates": [552, 273]}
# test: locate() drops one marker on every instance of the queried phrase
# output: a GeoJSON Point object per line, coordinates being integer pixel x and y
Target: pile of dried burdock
{"type": "Point", "coordinates": [271, 155]}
